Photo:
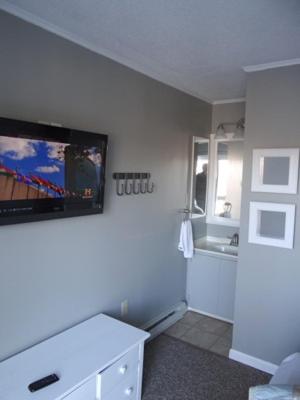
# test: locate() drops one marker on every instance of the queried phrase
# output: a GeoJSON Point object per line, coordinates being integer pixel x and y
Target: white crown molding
{"type": "Point", "coordinates": [275, 64]}
{"type": "Point", "coordinates": [254, 362]}
{"type": "Point", "coordinates": [228, 101]}
{"type": "Point", "coordinates": [141, 68]}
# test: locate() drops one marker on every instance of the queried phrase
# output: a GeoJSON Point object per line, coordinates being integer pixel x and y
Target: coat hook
{"type": "Point", "coordinates": [141, 186]}
{"type": "Point", "coordinates": [134, 190]}
{"type": "Point", "coordinates": [147, 185]}
{"type": "Point", "coordinates": [120, 192]}
{"type": "Point", "coordinates": [128, 186]}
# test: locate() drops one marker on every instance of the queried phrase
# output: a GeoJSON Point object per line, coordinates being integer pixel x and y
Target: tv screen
{"type": "Point", "coordinates": [49, 172]}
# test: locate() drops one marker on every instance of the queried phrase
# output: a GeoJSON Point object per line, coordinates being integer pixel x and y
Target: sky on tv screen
{"type": "Point", "coordinates": [40, 163]}
{"type": "Point", "coordinates": [29, 157]}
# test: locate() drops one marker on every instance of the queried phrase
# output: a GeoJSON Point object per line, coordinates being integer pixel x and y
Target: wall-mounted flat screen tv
{"type": "Point", "coordinates": [49, 172]}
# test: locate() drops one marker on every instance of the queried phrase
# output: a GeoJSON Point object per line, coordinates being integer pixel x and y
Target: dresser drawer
{"type": "Point", "coordinates": [87, 391]}
{"type": "Point", "coordinates": [117, 372]}
{"type": "Point", "coordinates": [126, 390]}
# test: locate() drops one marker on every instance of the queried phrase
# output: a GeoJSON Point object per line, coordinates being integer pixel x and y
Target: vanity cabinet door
{"type": "Point", "coordinates": [211, 285]}
{"type": "Point", "coordinates": [202, 283]}
{"type": "Point", "coordinates": [227, 283]}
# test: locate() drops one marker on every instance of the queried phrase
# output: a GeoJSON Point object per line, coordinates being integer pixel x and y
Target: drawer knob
{"type": "Point", "coordinates": [129, 391]}
{"type": "Point", "coordinates": [123, 369]}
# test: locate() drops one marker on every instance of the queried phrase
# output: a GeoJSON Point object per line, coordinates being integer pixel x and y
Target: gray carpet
{"type": "Point", "coordinates": [175, 370]}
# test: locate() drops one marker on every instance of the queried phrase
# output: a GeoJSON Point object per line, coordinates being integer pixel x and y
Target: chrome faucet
{"type": "Point", "coordinates": [234, 240]}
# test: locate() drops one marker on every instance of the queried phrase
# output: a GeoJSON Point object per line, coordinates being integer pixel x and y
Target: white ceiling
{"type": "Point", "coordinates": [198, 46]}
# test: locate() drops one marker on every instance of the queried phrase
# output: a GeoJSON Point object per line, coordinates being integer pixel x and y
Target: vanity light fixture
{"type": "Point", "coordinates": [220, 134]}
{"type": "Point", "coordinates": [239, 128]}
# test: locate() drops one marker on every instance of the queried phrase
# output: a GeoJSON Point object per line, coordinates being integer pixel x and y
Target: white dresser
{"type": "Point", "coordinates": [99, 359]}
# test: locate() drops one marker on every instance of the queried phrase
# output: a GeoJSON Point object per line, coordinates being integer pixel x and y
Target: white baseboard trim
{"type": "Point", "coordinates": [254, 362]}
{"type": "Point", "coordinates": [164, 320]}
{"type": "Point", "coordinates": [210, 315]}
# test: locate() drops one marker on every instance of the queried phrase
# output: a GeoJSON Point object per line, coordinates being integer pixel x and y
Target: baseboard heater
{"type": "Point", "coordinates": [163, 321]}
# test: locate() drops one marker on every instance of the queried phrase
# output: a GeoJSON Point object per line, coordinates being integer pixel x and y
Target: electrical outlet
{"type": "Point", "coordinates": [124, 308]}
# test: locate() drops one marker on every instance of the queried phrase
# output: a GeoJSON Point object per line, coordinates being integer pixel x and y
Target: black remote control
{"type": "Point", "coordinates": [41, 383]}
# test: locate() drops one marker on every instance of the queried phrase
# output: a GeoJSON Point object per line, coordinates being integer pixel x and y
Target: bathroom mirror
{"type": "Point", "coordinates": [199, 176]}
{"type": "Point", "coordinates": [275, 170]}
{"type": "Point", "coordinates": [226, 181]}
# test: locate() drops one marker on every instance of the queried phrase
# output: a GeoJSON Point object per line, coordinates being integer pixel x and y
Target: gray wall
{"type": "Point", "coordinates": [227, 112]}
{"type": "Point", "coordinates": [57, 273]}
{"type": "Point", "coordinates": [267, 307]}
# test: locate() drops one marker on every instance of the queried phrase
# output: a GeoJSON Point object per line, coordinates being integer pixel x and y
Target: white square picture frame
{"type": "Point", "coordinates": [255, 218]}
{"type": "Point", "coordinates": [260, 156]}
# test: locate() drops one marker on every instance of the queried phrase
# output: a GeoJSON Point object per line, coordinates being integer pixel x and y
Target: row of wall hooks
{"type": "Point", "coordinates": [133, 183]}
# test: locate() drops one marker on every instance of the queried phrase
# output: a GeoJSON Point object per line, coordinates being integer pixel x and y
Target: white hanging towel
{"type": "Point", "coordinates": [186, 243]}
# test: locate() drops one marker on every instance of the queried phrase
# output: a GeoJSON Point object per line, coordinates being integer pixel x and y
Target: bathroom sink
{"type": "Point", "coordinates": [225, 248]}
{"type": "Point", "coordinates": [216, 245]}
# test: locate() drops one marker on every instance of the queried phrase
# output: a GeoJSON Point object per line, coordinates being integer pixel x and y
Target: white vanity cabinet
{"type": "Point", "coordinates": [99, 359]}
{"type": "Point", "coordinates": [211, 283]}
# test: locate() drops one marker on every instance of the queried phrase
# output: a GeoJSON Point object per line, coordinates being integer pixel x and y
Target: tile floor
{"type": "Point", "coordinates": [202, 331]}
